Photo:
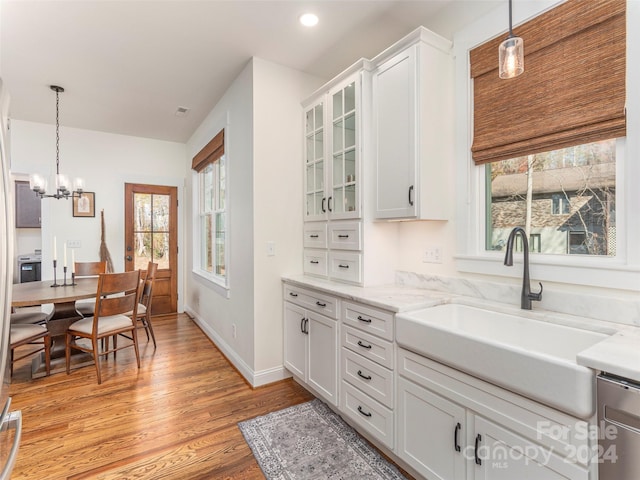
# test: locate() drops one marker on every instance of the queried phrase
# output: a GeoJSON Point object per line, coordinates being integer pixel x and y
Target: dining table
{"type": "Point", "coordinates": [64, 313]}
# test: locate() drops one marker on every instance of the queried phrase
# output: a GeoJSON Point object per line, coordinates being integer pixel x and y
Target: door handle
{"type": "Point", "coordinates": [129, 258]}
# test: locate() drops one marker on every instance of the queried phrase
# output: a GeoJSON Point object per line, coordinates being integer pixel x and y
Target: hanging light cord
{"type": "Point", "coordinates": [57, 131]}
{"type": "Point", "coordinates": [510, 21]}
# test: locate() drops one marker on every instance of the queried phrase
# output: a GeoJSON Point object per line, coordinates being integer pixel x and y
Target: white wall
{"type": "Point", "coordinates": [106, 162]}
{"type": "Point", "coordinates": [278, 198]}
{"type": "Point", "coordinates": [214, 312]}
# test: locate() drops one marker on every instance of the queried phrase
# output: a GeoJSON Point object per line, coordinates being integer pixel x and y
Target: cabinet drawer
{"type": "Point", "coordinates": [375, 419]}
{"type": "Point", "coordinates": [311, 300]}
{"type": "Point", "coordinates": [315, 262]}
{"type": "Point", "coordinates": [368, 319]}
{"type": "Point", "coordinates": [369, 346]}
{"type": "Point", "coordinates": [345, 266]}
{"type": "Point", "coordinates": [315, 235]}
{"type": "Point", "coordinates": [345, 235]}
{"type": "Point", "coordinates": [371, 378]}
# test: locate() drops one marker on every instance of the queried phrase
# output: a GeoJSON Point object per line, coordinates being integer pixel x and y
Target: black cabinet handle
{"type": "Point", "coordinates": [362, 375]}
{"type": "Point", "coordinates": [306, 326]}
{"type": "Point", "coordinates": [343, 236]}
{"type": "Point", "coordinates": [410, 195]}
{"type": "Point", "coordinates": [314, 262]}
{"type": "Point", "coordinates": [475, 453]}
{"type": "Point", "coordinates": [302, 324]}
{"type": "Point", "coordinates": [363, 345]}
{"type": "Point", "coordinates": [329, 204]}
{"type": "Point", "coordinates": [365, 320]}
{"type": "Point", "coordinates": [314, 236]}
{"type": "Point", "coordinates": [362, 412]}
{"type": "Point", "coordinates": [343, 266]}
{"type": "Point", "coordinates": [456, 445]}
{"type": "Point", "coordinates": [322, 208]}
{"type": "Point", "coordinates": [293, 294]}
{"type": "Point", "coordinates": [321, 304]}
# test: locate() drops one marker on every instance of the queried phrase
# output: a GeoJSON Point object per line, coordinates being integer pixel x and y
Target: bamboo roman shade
{"type": "Point", "coordinates": [211, 152]}
{"type": "Point", "coordinates": [572, 90]}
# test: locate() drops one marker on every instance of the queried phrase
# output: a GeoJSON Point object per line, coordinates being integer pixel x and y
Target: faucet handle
{"type": "Point", "coordinates": [537, 296]}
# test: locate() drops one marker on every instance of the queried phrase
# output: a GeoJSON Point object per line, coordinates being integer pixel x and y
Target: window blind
{"type": "Point", "coordinates": [211, 152]}
{"type": "Point", "coordinates": [571, 92]}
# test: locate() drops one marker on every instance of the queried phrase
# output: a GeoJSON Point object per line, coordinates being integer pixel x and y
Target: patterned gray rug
{"type": "Point", "coordinates": [309, 441]}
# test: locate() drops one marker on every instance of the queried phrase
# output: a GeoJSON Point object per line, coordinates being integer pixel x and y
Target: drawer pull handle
{"type": "Point", "coordinates": [314, 262]}
{"type": "Point", "coordinates": [314, 236]}
{"type": "Point", "coordinates": [475, 453]}
{"type": "Point", "coordinates": [456, 445]}
{"type": "Point", "coordinates": [293, 294]}
{"type": "Point", "coordinates": [343, 236]}
{"type": "Point", "coordinates": [365, 320]}
{"type": "Point", "coordinates": [362, 412]}
{"type": "Point", "coordinates": [321, 304]}
{"type": "Point", "coordinates": [361, 375]}
{"type": "Point", "coordinates": [343, 266]}
{"type": "Point", "coordinates": [363, 345]}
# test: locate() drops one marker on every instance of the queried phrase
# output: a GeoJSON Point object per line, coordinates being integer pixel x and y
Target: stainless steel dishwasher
{"type": "Point", "coordinates": [619, 422]}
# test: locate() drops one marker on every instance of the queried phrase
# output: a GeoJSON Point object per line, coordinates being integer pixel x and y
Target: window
{"type": "Point", "coordinates": [615, 263]}
{"type": "Point", "coordinates": [213, 218]}
{"type": "Point", "coordinates": [553, 193]}
{"type": "Point", "coordinates": [210, 206]}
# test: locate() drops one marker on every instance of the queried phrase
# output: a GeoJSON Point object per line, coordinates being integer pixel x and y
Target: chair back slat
{"type": "Point", "coordinates": [117, 293]}
{"type": "Point", "coordinates": [88, 269]}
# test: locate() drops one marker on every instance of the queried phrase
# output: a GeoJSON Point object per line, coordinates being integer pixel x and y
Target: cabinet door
{"type": "Point", "coordinates": [295, 340]}
{"type": "Point", "coordinates": [498, 454]}
{"type": "Point", "coordinates": [323, 356]}
{"type": "Point", "coordinates": [315, 199]}
{"type": "Point", "coordinates": [28, 207]}
{"type": "Point", "coordinates": [343, 200]}
{"type": "Point", "coordinates": [394, 123]}
{"type": "Point", "coordinates": [431, 433]}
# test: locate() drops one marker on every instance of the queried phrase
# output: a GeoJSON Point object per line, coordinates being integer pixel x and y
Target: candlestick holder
{"type": "Point", "coordinates": [55, 283]}
{"type": "Point", "coordinates": [73, 280]}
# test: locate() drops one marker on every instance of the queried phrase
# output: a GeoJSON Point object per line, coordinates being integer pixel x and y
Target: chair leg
{"type": "Point", "coordinates": [134, 336]}
{"type": "Point", "coordinates": [67, 351]}
{"type": "Point", "coordinates": [149, 329]}
{"type": "Point", "coordinates": [96, 358]}
{"type": "Point", "coordinates": [12, 362]}
{"type": "Point", "coordinates": [47, 353]}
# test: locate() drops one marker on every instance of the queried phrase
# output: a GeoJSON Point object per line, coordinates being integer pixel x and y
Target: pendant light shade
{"type": "Point", "coordinates": [511, 53]}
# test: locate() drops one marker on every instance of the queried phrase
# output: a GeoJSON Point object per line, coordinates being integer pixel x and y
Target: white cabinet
{"type": "Point", "coordinates": [413, 128]}
{"type": "Point", "coordinates": [452, 426]}
{"type": "Point", "coordinates": [311, 340]}
{"type": "Point", "coordinates": [367, 370]}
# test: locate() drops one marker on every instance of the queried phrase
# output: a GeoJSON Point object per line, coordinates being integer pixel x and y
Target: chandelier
{"type": "Point", "coordinates": [64, 189]}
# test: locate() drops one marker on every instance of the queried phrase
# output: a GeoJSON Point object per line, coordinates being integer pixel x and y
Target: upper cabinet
{"type": "Point", "coordinates": [332, 152]}
{"type": "Point", "coordinates": [28, 206]}
{"type": "Point", "coordinates": [413, 127]}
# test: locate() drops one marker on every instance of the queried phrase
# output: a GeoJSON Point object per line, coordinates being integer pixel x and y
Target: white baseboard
{"type": "Point", "coordinates": [255, 379]}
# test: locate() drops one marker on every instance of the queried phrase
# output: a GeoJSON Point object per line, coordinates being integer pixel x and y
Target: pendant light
{"type": "Point", "coordinates": [511, 53]}
{"type": "Point", "coordinates": [64, 189]}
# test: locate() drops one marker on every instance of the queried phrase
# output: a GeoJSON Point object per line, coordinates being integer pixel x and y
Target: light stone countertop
{"type": "Point", "coordinates": [389, 297]}
{"type": "Point", "coordinates": [619, 354]}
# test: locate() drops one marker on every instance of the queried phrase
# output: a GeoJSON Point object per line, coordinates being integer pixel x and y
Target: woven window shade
{"type": "Point", "coordinates": [210, 153]}
{"type": "Point", "coordinates": [571, 92]}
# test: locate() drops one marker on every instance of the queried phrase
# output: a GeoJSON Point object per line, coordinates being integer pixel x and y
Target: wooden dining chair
{"type": "Point", "coordinates": [143, 317]}
{"type": "Point", "coordinates": [117, 294]}
{"type": "Point", "coordinates": [84, 270]}
{"type": "Point", "coordinates": [27, 334]}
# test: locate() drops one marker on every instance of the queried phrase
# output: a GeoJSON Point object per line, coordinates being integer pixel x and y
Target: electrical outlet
{"type": "Point", "coordinates": [233, 330]}
{"type": "Point", "coordinates": [432, 255]}
{"type": "Point", "coordinates": [73, 244]}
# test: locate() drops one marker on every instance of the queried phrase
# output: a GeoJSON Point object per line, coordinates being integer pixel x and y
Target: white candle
{"type": "Point", "coordinates": [64, 256]}
{"type": "Point", "coordinates": [55, 254]}
{"type": "Point", "coordinates": [73, 261]}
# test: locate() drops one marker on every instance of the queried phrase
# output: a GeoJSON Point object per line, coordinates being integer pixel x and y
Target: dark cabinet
{"type": "Point", "coordinates": [28, 207]}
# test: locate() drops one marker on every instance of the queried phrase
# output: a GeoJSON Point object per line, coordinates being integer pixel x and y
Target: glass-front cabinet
{"type": "Point", "coordinates": [331, 154]}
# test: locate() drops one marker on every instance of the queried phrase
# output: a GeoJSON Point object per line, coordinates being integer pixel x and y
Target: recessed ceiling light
{"type": "Point", "coordinates": [309, 19]}
{"type": "Point", "coordinates": [182, 112]}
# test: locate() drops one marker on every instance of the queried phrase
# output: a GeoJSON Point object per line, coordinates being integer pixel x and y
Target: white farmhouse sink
{"type": "Point", "coordinates": [532, 357]}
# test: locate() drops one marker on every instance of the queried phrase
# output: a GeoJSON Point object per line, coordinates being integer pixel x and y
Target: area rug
{"type": "Point", "coordinates": [309, 441]}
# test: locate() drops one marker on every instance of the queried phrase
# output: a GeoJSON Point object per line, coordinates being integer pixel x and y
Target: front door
{"type": "Point", "coordinates": [151, 222]}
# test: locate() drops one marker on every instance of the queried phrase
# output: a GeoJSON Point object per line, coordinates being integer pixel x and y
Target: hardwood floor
{"type": "Point", "coordinates": [175, 418]}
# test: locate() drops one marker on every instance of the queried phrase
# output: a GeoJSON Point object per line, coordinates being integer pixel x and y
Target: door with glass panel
{"type": "Point", "coordinates": [151, 213]}
{"type": "Point", "coordinates": [315, 198]}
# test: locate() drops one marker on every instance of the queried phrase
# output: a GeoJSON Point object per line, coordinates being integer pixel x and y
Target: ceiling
{"type": "Point", "coordinates": [128, 65]}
